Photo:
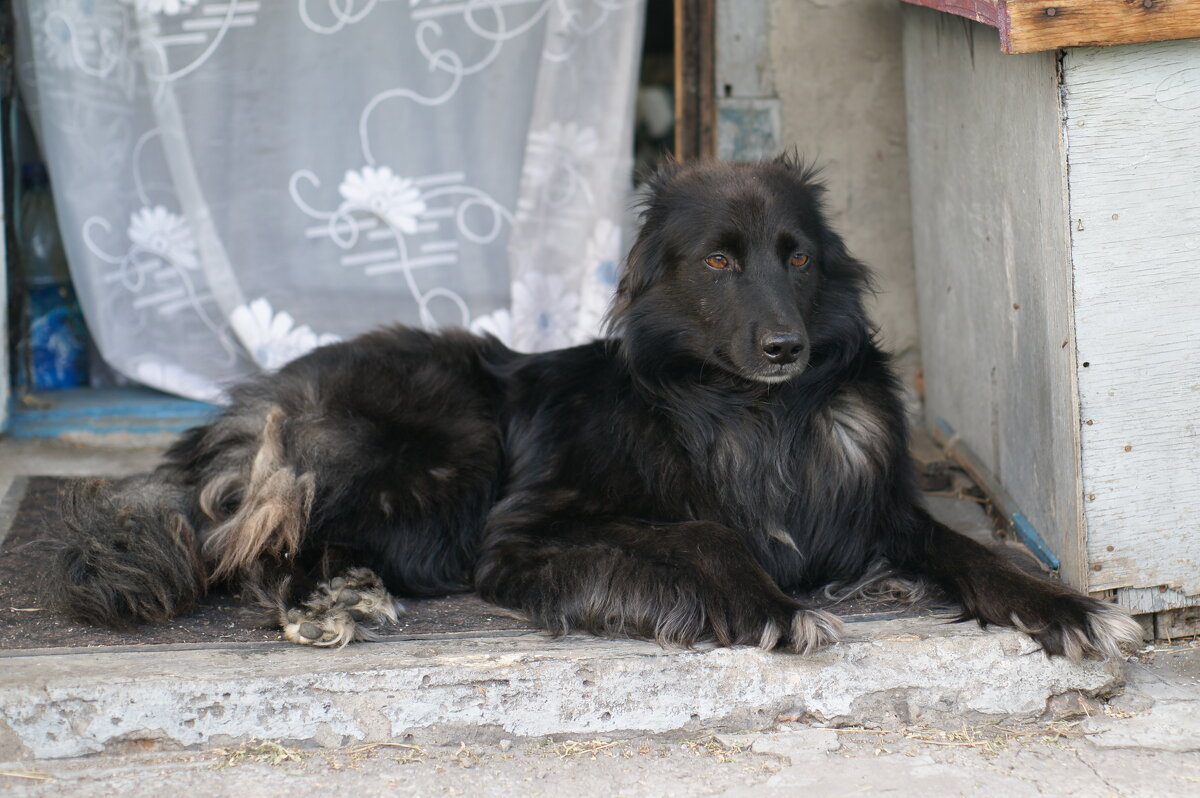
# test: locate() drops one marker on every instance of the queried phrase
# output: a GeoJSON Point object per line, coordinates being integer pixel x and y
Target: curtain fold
{"type": "Point", "coordinates": [239, 181]}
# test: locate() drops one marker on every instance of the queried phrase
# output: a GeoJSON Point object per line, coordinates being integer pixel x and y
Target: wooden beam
{"type": "Point", "coordinates": [1030, 26]}
{"type": "Point", "coordinates": [695, 84]}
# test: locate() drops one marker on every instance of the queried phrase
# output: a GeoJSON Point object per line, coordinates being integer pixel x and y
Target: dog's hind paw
{"type": "Point", "coordinates": [811, 630]}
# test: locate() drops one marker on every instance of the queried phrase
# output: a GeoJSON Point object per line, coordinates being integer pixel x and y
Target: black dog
{"type": "Point", "coordinates": [740, 441]}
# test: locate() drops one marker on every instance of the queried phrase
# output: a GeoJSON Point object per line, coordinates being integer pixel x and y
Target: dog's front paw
{"type": "Point", "coordinates": [1077, 626]}
{"type": "Point", "coordinates": [809, 631]}
{"type": "Point", "coordinates": [329, 628]}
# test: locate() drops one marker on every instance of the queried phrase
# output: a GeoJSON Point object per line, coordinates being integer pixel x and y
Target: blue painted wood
{"type": "Point", "coordinates": [1033, 541]}
{"type": "Point", "coordinates": [958, 451]}
{"type": "Point", "coordinates": [105, 411]}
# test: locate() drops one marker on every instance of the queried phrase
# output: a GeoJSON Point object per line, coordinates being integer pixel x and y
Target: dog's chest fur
{"type": "Point", "coordinates": [848, 435]}
{"type": "Point", "coordinates": [768, 474]}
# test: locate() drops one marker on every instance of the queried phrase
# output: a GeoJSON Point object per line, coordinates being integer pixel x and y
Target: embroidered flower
{"type": "Point", "coordinates": [273, 339]}
{"type": "Point", "coordinates": [175, 379]}
{"type": "Point", "coordinates": [168, 235]}
{"type": "Point", "coordinates": [603, 252]}
{"type": "Point", "coordinates": [395, 199]}
{"type": "Point", "coordinates": [543, 312]}
{"type": "Point", "coordinates": [554, 174]}
{"type": "Point", "coordinates": [57, 32]}
{"type": "Point", "coordinates": [602, 255]}
{"type": "Point", "coordinates": [168, 7]}
{"type": "Point", "coordinates": [497, 324]}
{"type": "Point", "coordinates": [556, 141]}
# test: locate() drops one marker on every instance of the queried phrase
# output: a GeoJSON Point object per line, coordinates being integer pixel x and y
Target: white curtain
{"type": "Point", "coordinates": [238, 181]}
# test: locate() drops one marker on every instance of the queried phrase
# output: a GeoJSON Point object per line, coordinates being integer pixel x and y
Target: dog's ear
{"type": "Point", "coordinates": [641, 269]}
{"type": "Point", "coordinates": [644, 261]}
{"type": "Point", "coordinates": [806, 171]}
{"type": "Point", "coordinates": [655, 181]}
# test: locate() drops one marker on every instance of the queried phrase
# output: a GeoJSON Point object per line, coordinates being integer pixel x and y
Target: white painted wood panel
{"type": "Point", "coordinates": [993, 273]}
{"type": "Point", "coordinates": [1133, 132]}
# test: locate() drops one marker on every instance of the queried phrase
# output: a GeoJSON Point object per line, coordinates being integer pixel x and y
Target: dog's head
{"type": "Point", "coordinates": [736, 267]}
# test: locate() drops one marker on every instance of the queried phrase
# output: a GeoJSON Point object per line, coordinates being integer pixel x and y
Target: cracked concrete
{"type": "Point", "coordinates": [1010, 759]}
{"type": "Point", "coordinates": [67, 703]}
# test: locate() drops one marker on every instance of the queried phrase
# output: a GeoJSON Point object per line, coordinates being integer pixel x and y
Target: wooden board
{"type": "Point", "coordinates": [1175, 624]}
{"type": "Point", "coordinates": [5, 265]}
{"type": "Point", "coordinates": [993, 275]}
{"type": "Point", "coordinates": [1133, 126]}
{"type": "Point", "coordinates": [695, 87]}
{"type": "Point", "coordinates": [1028, 26]}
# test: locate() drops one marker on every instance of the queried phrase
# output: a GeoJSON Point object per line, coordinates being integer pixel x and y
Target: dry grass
{"type": "Point", "coordinates": [257, 752]}
{"type": "Point", "coordinates": [272, 753]}
{"type": "Point", "coordinates": [406, 754]}
{"type": "Point", "coordinates": [709, 747]}
{"type": "Point", "coordinates": [29, 774]}
{"type": "Point", "coordinates": [1146, 653]}
{"type": "Point", "coordinates": [713, 748]}
{"type": "Point", "coordinates": [567, 749]}
{"type": "Point", "coordinates": [990, 739]}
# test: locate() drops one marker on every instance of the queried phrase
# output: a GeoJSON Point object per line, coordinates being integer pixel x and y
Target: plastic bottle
{"type": "Point", "coordinates": [57, 337]}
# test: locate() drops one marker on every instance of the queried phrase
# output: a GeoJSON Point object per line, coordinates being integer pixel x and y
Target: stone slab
{"type": "Point", "coordinates": [71, 702]}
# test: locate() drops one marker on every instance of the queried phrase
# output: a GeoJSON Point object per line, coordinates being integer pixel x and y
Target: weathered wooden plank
{"type": "Point", "coordinates": [5, 265]}
{"type": "Point", "coordinates": [993, 273]}
{"type": "Point", "coordinates": [1036, 25]}
{"type": "Point", "coordinates": [1133, 125]}
{"type": "Point", "coordinates": [1174, 624]}
{"type": "Point", "coordinates": [992, 13]}
{"type": "Point", "coordinates": [1029, 26]}
{"type": "Point", "coordinates": [695, 88]}
{"type": "Point", "coordinates": [1153, 599]}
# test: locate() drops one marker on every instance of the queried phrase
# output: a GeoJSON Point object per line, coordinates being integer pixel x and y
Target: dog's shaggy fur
{"type": "Point", "coordinates": [739, 442]}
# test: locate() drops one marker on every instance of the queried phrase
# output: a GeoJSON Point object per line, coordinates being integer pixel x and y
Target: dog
{"type": "Point", "coordinates": [738, 442]}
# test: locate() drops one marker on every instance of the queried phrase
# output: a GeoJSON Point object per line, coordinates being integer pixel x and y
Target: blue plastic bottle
{"type": "Point", "coordinates": [57, 337]}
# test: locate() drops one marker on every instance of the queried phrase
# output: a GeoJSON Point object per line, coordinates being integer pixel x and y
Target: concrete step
{"type": "Point", "coordinates": [70, 702]}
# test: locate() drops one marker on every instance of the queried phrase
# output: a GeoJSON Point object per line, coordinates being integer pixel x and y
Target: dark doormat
{"type": "Point", "coordinates": [224, 617]}
{"type": "Point", "coordinates": [220, 618]}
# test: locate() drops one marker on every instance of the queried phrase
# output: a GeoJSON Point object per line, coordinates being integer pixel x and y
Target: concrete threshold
{"type": "Point", "coordinates": [72, 702]}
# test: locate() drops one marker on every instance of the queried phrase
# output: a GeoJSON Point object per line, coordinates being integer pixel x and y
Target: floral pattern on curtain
{"type": "Point", "coordinates": [239, 181]}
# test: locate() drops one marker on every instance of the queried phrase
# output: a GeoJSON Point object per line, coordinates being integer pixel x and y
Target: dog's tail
{"type": "Point", "coordinates": [226, 504]}
{"type": "Point", "coordinates": [128, 553]}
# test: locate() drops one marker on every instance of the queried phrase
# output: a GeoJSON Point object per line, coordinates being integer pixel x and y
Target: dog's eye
{"type": "Point", "coordinates": [800, 260]}
{"type": "Point", "coordinates": [717, 261]}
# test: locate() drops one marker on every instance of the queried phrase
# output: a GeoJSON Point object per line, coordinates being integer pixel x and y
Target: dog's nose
{"type": "Point", "coordinates": [783, 347]}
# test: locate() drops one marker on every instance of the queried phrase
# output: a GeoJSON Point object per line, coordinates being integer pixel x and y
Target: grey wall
{"type": "Point", "coordinates": [827, 77]}
{"type": "Point", "coordinates": [993, 266]}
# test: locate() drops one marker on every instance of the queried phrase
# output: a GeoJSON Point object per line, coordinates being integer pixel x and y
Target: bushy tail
{"type": "Point", "coordinates": [127, 555]}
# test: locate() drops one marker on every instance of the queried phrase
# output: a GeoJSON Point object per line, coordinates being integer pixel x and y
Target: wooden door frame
{"type": "Point", "coordinates": [695, 83]}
